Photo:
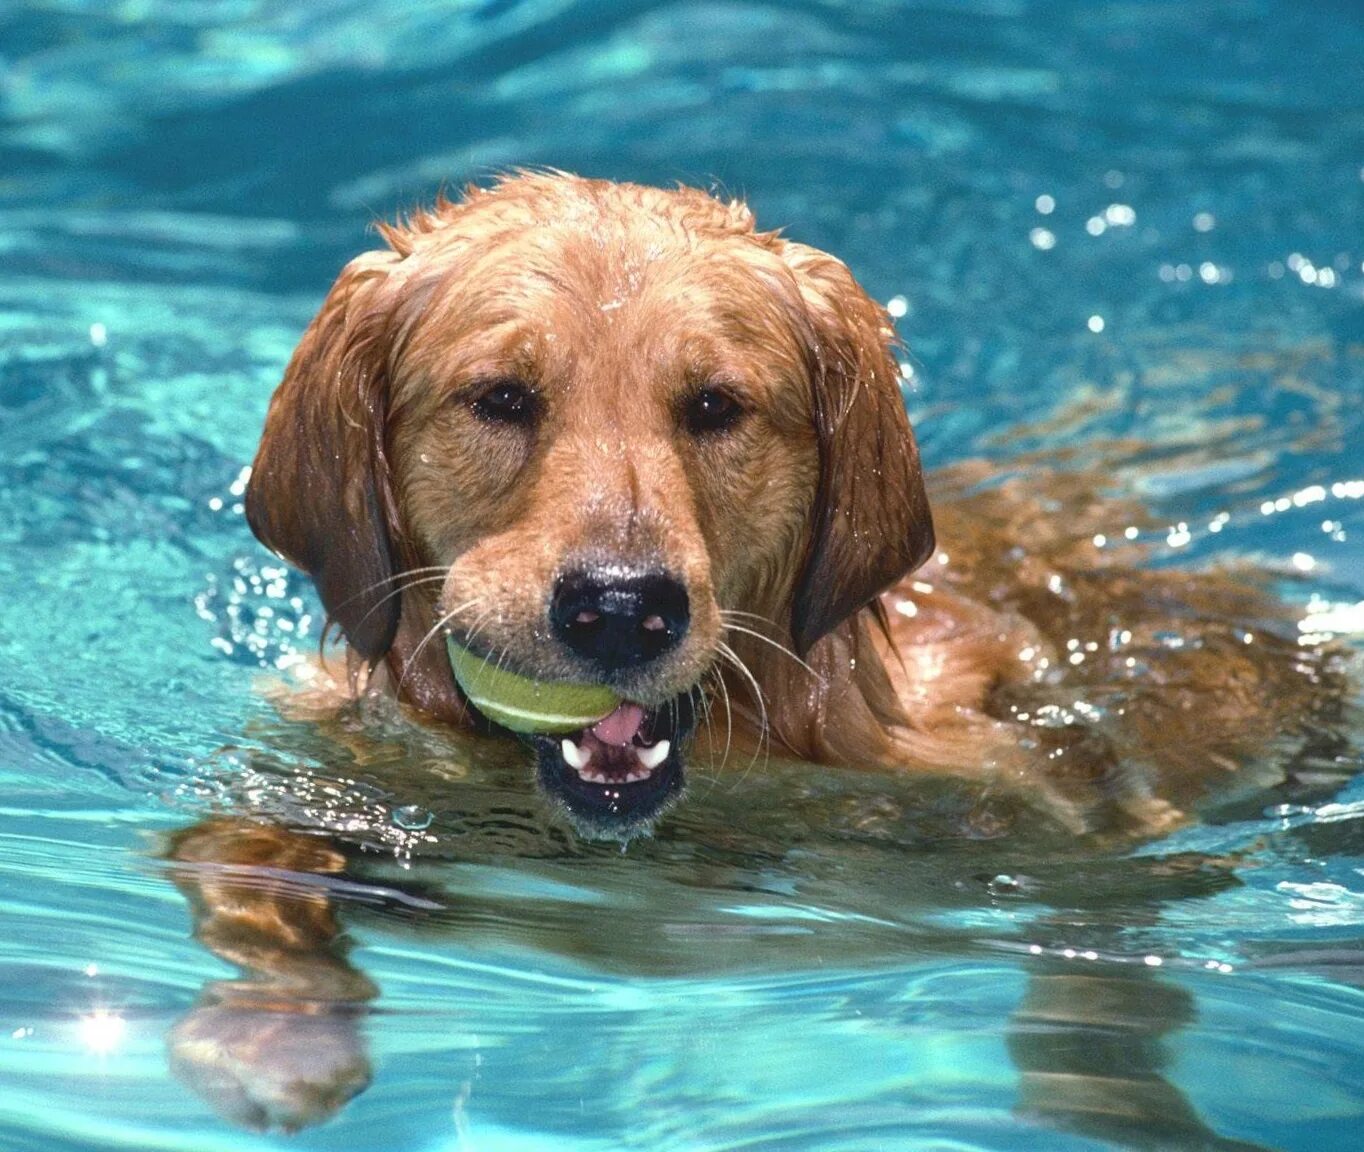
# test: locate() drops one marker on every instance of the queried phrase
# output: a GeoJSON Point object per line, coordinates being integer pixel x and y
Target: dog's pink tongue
{"type": "Point", "coordinates": [620, 726]}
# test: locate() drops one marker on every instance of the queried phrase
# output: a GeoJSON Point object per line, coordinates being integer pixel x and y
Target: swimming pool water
{"type": "Point", "coordinates": [1095, 221]}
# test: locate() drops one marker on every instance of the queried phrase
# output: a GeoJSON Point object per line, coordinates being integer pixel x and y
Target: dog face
{"type": "Point", "coordinates": [589, 430]}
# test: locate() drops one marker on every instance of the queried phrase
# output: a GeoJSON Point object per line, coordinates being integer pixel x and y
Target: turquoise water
{"type": "Point", "coordinates": [1137, 220]}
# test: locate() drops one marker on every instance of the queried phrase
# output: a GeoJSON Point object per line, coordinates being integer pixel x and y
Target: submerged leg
{"type": "Point", "coordinates": [1090, 1054]}
{"type": "Point", "coordinates": [280, 1047]}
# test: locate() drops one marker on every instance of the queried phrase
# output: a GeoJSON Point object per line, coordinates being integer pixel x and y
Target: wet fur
{"type": "Point", "coordinates": [1026, 654]}
{"type": "Point", "coordinates": [810, 519]}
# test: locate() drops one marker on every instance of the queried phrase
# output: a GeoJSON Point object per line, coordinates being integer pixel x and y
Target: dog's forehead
{"type": "Point", "coordinates": [530, 203]}
{"type": "Point", "coordinates": [628, 278]}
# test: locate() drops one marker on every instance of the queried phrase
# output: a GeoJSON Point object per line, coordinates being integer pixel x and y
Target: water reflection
{"type": "Point", "coordinates": [617, 965]}
{"type": "Point", "coordinates": [280, 1046]}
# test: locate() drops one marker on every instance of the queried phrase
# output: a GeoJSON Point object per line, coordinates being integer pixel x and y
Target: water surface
{"type": "Point", "coordinates": [1119, 221]}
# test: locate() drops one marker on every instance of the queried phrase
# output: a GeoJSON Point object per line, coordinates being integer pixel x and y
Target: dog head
{"type": "Point", "coordinates": [593, 431]}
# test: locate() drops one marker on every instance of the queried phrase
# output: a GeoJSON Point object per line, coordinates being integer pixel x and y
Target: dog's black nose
{"type": "Point", "coordinates": [619, 621]}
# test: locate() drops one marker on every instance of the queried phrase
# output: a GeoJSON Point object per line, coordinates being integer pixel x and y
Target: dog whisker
{"type": "Point", "coordinates": [477, 626]}
{"type": "Point", "coordinates": [435, 628]}
{"type": "Point", "coordinates": [729, 717]}
{"type": "Point", "coordinates": [714, 672]}
{"type": "Point", "coordinates": [398, 591]}
{"type": "Point", "coordinates": [733, 659]}
{"type": "Point", "coordinates": [410, 578]}
{"type": "Point", "coordinates": [732, 627]}
{"type": "Point", "coordinates": [425, 570]}
{"type": "Point", "coordinates": [750, 616]}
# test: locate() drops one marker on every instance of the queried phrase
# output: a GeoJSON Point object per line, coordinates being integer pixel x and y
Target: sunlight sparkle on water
{"type": "Point", "coordinates": [102, 1031]}
{"type": "Point", "coordinates": [1325, 619]}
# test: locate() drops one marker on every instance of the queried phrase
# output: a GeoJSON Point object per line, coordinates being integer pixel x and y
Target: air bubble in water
{"type": "Point", "coordinates": [1005, 885]}
{"type": "Point", "coordinates": [412, 818]}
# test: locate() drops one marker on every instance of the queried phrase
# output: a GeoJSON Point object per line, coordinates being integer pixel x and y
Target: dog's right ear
{"type": "Point", "coordinates": [871, 523]}
{"type": "Point", "coordinates": [319, 493]}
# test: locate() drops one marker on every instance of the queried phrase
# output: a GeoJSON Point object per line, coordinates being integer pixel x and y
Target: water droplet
{"type": "Point", "coordinates": [1005, 885]}
{"type": "Point", "coordinates": [412, 817]}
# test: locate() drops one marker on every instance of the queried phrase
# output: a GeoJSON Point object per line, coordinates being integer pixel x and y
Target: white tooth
{"type": "Point", "coordinates": [593, 777]}
{"type": "Point", "coordinates": [651, 758]}
{"type": "Point", "coordinates": [578, 757]}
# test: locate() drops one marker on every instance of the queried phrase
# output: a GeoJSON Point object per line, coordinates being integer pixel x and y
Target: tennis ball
{"type": "Point", "coordinates": [526, 705]}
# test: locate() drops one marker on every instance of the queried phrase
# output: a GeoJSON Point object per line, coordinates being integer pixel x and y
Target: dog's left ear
{"type": "Point", "coordinates": [319, 493]}
{"type": "Point", "coordinates": [871, 523]}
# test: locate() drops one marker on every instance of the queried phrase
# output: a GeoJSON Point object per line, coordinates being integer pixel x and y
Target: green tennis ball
{"type": "Point", "coordinates": [526, 705]}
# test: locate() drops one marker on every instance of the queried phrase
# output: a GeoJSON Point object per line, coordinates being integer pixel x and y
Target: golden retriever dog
{"type": "Point", "coordinates": [611, 434]}
{"type": "Point", "coordinates": [614, 434]}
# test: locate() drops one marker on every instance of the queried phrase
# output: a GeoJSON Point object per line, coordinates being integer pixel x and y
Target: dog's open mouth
{"type": "Point", "coordinates": [617, 776]}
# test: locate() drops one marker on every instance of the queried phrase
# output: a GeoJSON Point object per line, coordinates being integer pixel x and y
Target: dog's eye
{"type": "Point", "coordinates": [507, 402]}
{"type": "Point", "coordinates": [711, 410]}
